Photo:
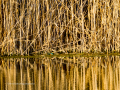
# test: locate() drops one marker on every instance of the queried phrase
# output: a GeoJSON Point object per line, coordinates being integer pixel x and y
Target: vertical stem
{"type": "Point", "coordinates": [1, 23]}
{"type": "Point", "coordinates": [21, 27]}
{"type": "Point", "coordinates": [48, 21]}
{"type": "Point", "coordinates": [94, 27]}
{"type": "Point", "coordinates": [72, 26]}
{"type": "Point", "coordinates": [7, 28]}
{"type": "Point", "coordinates": [83, 49]}
{"type": "Point", "coordinates": [27, 30]}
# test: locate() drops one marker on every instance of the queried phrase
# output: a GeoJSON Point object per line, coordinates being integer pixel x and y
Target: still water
{"type": "Point", "coordinates": [63, 73]}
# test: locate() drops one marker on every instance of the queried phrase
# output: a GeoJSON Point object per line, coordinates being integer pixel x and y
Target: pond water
{"type": "Point", "coordinates": [60, 73]}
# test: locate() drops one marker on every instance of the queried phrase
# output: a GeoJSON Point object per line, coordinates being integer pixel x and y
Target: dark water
{"type": "Point", "coordinates": [63, 73]}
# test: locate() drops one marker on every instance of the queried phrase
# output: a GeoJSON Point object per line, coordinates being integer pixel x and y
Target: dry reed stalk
{"type": "Point", "coordinates": [1, 25]}
{"type": "Point", "coordinates": [7, 27]}
{"type": "Point", "coordinates": [1, 22]}
{"type": "Point", "coordinates": [21, 27]}
{"type": "Point", "coordinates": [28, 27]}
{"type": "Point", "coordinates": [73, 26]}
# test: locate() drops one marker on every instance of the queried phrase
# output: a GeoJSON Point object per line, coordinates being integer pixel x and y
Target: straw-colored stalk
{"type": "Point", "coordinates": [33, 26]}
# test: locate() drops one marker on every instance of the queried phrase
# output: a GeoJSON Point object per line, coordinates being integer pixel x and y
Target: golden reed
{"type": "Point", "coordinates": [28, 26]}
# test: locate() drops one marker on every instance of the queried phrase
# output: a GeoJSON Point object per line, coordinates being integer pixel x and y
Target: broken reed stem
{"type": "Point", "coordinates": [68, 26]}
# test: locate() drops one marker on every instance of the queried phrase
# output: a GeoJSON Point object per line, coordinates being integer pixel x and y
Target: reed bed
{"type": "Point", "coordinates": [74, 73]}
{"type": "Point", "coordinates": [41, 26]}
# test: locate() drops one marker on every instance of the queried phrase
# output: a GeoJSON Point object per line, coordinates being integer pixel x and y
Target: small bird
{"type": "Point", "coordinates": [50, 53]}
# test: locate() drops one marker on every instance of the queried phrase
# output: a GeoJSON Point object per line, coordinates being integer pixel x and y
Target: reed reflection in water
{"type": "Point", "coordinates": [65, 73]}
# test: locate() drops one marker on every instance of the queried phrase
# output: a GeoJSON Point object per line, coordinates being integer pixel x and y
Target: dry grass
{"type": "Point", "coordinates": [59, 25]}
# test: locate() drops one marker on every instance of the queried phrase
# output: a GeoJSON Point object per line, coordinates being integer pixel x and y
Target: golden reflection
{"type": "Point", "coordinates": [70, 73]}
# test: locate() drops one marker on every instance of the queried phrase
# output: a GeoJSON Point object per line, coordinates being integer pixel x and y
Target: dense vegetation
{"type": "Point", "coordinates": [35, 26]}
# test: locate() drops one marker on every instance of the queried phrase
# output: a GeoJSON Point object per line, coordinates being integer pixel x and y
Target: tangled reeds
{"type": "Point", "coordinates": [28, 26]}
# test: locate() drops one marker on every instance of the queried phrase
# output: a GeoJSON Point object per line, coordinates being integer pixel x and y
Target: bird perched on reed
{"type": "Point", "coordinates": [50, 54]}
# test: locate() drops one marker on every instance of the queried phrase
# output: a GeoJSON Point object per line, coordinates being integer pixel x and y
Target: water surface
{"type": "Point", "coordinates": [63, 73]}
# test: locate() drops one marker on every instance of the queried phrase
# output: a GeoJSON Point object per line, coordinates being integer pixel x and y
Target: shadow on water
{"type": "Point", "coordinates": [69, 73]}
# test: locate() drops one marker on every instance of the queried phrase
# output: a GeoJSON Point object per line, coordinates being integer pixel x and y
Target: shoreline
{"type": "Point", "coordinates": [60, 55]}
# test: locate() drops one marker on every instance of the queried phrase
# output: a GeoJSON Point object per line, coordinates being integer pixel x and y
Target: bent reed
{"type": "Point", "coordinates": [69, 26]}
